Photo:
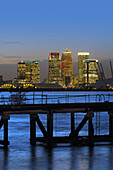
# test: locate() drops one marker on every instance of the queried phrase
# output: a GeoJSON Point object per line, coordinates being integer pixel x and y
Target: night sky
{"type": "Point", "coordinates": [30, 29]}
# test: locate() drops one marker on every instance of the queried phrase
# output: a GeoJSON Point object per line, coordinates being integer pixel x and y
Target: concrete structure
{"type": "Point", "coordinates": [67, 68]}
{"type": "Point", "coordinates": [81, 56]}
{"type": "Point", "coordinates": [54, 75]}
{"type": "Point", "coordinates": [90, 71]}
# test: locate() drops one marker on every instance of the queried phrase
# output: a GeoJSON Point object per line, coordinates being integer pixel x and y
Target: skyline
{"type": "Point", "coordinates": [32, 29]}
{"type": "Point", "coordinates": [9, 71]}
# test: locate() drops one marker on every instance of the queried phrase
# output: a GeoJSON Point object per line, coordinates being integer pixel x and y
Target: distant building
{"type": "Point", "coordinates": [81, 56]}
{"type": "Point", "coordinates": [67, 68]}
{"type": "Point", "coordinates": [54, 75]}
{"type": "Point", "coordinates": [45, 80]}
{"type": "Point", "coordinates": [28, 72]}
{"type": "Point", "coordinates": [21, 72]}
{"type": "Point", "coordinates": [15, 80]}
{"type": "Point", "coordinates": [35, 72]}
{"type": "Point", "coordinates": [4, 81]}
{"type": "Point", "coordinates": [77, 81]}
{"type": "Point", "coordinates": [7, 81]}
{"type": "Point", "coordinates": [103, 84]}
{"type": "Point", "coordinates": [74, 80]}
{"type": "Point", "coordinates": [1, 78]}
{"type": "Point", "coordinates": [90, 71]}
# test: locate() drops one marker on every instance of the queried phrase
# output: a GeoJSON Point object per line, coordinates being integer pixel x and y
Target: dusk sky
{"type": "Point", "coordinates": [30, 29]}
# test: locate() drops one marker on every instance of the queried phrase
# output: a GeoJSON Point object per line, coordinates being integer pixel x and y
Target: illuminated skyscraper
{"type": "Point", "coordinates": [67, 68]}
{"type": "Point", "coordinates": [90, 71]}
{"type": "Point", "coordinates": [81, 56]}
{"type": "Point", "coordinates": [21, 72]}
{"type": "Point", "coordinates": [35, 72]}
{"type": "Point", "coordinates": [54, 75]}
{"type": "Point", "coordinates": [28, 72]}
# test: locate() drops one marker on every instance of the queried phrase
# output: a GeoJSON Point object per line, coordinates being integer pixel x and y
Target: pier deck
{"type": "Point", "coordinates": [57, 108]}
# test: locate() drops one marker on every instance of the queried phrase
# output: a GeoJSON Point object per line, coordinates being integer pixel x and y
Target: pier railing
{"type": "Point", "coordinates": [40, 98]}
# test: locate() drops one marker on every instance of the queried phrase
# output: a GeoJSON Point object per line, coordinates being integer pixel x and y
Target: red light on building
{"type": "Point", "coordinates": [62, 64]}
{"type": "Point", "coordinates": [54, 53]}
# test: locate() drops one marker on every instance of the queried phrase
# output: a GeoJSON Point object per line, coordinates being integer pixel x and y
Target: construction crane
{"type": "Point", "coordinates": [111, 69]}
{"type": "Point", "coordinates": [101, 70]}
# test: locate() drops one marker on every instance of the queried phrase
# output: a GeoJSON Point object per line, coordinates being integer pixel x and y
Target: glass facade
{"type": "Point", "coordinates": [21, 72]}
{"type": "Point", "coordinates": [28, 72]}
{"type": "Point", "coordinates": [67, 68]}
{"type": "Point", "coordinates": [90, 71]}
{"type": "Point", "coordinates": [81, 56]}
{"type": "Point", "coordinates": [54, 75]}
{"type": "Point", "coordinates": [35, 72]}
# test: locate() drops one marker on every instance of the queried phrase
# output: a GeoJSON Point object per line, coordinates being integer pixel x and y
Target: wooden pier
{"type": "Point", "coordinates": [49, 110]}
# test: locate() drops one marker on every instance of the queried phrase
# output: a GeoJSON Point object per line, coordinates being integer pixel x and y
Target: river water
{"type": "Point", "coordinates": [20, 155]}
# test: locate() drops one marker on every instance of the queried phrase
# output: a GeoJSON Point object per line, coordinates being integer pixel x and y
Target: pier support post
{"type": "Point", "coordinates": [42, 128]}
{"type": "Point", "coordinates": [91, 129]}
{"type": "Point", "coordinates": [4, 121]}
{"type": "Point", "coordinates": [72, 122]}
{"type": "Point", "coordinates": [111, 125]}
{"type": "Point", "coordinates": [80, 126]}
{"type": "Point", "coordinates": [6, 117]}
{"type": "Point", "coordinates": [50, 128]}
{"type": "Point", "coordinates": [33, 129]}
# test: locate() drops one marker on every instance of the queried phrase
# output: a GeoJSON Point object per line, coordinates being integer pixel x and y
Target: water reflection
{"type": "Point", "coordinates": [22, 156]}
{"type": "Point", "coordinates": [68, 158]}
{"type": "Point", "coordinates": [3, 159]}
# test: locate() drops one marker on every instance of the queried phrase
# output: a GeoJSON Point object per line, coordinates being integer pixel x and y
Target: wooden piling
{"type": "Point", "coordinates": [72, 123]}
{"type": "Point", "coordinates": [5, 118]}
{"type": "Point", "coordinates": [50, 128]}
{"type": "Point", "coordinates": [33, 129]}
{"type": "Point", "coordinates": [90, 131]}
{"type": "Point", "coordinates": [41, 126]}
{"type": "Point", "coordinates": [111, 124]}
{"type": "Point", "coordinates": [79, 127]}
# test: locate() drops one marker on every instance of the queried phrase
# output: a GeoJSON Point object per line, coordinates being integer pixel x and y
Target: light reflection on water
{"type": "Point", "coordinates": [69, 158]}
{"type": "Point", "coordinates": [22, 156]}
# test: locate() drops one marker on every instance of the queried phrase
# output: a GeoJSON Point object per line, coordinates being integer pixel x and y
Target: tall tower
{"type": "Point", "coordinates": [54, 75]}
{"type": "Point", "coordinates": [81, 56]}
{"type": "Point", "coordinates": [35, 72]}
{"type": "Point", "coordinates": [21, 72]}
{"type": "Point", "coordinates": [28, 72]}
{"type": "Point", "coordinates": [90, 71]}
{"type": "Point", "coordinates": [67, 67]}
